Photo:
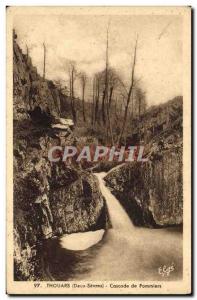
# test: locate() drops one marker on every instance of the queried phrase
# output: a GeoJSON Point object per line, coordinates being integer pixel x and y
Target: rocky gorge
{"type": "Point", "coordinates": [49, 199]}
{"type": "Point", "coordinates": [53, 199]}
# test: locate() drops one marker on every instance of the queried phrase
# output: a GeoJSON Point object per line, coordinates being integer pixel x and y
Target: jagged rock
{"type": "Point", "coordinates": [151, 192]}
{"type": "Point", "coordinates": [162, 120]}
{"type": "Point", "coordinates": [41, 193]}
{"type": "Point", "coordinates": [46, 196]}
{"type": "Point", "coordinates": [79, 206]}
{"type": "Point", "coordinates": [31, 92]}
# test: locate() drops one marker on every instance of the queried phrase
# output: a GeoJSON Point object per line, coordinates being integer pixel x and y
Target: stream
{"type": "Point", "coordinates": [124, 252]}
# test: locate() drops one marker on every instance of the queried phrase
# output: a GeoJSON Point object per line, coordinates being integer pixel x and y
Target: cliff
{"type": "Point", "coordinates": [33, 96]}
{"type": "Point", "coordinates": [50, 199]}
{"type": "Point", "coordinates": [151, 192]}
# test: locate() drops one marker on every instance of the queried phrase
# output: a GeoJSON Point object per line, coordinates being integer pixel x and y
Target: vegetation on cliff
{"type": "Point", "coordinates": [152, 192]}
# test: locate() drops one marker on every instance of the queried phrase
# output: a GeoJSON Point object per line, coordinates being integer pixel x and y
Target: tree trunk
{"type": "Point", "coordinates": [129, 95]}
{"type": "Point", "coordinates": [139, 108]}
{"type": "Point", "coordinates": [73, 97]}
{"type": "Point", "coordinates": [93, 103]}
{"type": "Point", "coordinates": [44, 64]}
{"type": "Point", "coordinates": [27, 51]}
{"type": "Point", "coordinates": [106, 93]}
{"type": "Point", "coordinates": [97, 100]}
{"type": "Point", "coordinates": [103, 108]}
{"type": "Point", "coordinates": [83, 99]}
{"type": "Point", "coordinates": [132, 106]}
{"type": "Point", "coordinates": [110, 96]}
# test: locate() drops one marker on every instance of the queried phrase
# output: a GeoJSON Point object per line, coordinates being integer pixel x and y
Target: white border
{"type": "Point", "coordinates": [3, 94]}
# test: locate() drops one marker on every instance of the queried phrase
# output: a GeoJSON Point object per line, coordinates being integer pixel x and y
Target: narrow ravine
{"type": "Point", "coordinates": [124, 252]}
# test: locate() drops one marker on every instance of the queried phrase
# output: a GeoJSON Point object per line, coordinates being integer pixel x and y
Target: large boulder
{"type": "Point", "coordinates": [79, 206]}
{"type": "Point", "coordinates": [49, 198]}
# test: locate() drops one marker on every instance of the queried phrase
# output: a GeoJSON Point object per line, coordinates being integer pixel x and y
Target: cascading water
{"type": "Point", "coordinates": [119, 218]}
{"type": "Point", "coordinates": [125, 253]}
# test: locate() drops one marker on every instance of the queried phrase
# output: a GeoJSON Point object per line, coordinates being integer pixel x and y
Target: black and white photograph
{"type": "Point", "coordinates": [99, 160]}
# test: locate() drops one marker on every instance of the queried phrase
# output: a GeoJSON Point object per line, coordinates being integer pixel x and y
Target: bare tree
{"type": "Point", "coordinates": [99, 86]}
{"type": "Point", "coordinates": [27, 51]}
{"type": "Point", "coordinates": [103, 108]}
{"type": "Point", "coordinates": [72, 76]}
{"type": "Point", "coordinates": [140, 101]}
{"type": "Point", "coordinates": [107, 88]}
{"type": "Point", "coordinates": [109, 110]}
{"type": "Point", "coordinates": [97, 95]}
{"type": "Point", "coordinates": [44, 63]}
{"type": "Point", "coordinates": [93, 101]}
{"type": "Point", "coordinates": [114, 82]}
{"type": "Point", "coordinates": [129, 93]}
{"type": "Point", "coordinates": [83, 78]}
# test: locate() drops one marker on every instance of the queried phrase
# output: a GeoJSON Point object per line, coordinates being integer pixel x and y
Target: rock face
{"type": "Point", "coordinates": [151, 191]}
{"type": "Point", "coordinates": [32, 95]}
{"type": "Point", "coordinates": [49, 198]}
{"type": "Point", "coordinates": [84, 208]}
{"type": "Point", "coordinates": [162, 121]}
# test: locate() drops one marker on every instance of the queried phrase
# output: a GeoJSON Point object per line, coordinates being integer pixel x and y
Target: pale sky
{"type": "Point", "coordinates": [83, 39]}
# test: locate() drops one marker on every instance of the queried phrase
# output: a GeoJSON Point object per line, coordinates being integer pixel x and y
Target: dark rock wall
{"type": "Point", "coordinates": [152, 191]}
{"type": "Point", "coordinates": [161, 121]}
{"type": "Point", "coordinates": [31, 91]}
{"type": "Point", "coordinates": [83, 209]}
{"type": "Point", "coordinates": [49, 198]}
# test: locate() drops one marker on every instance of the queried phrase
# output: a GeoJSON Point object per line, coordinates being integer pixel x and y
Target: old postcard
{"type": "Point", "coordinates": [98, 150]}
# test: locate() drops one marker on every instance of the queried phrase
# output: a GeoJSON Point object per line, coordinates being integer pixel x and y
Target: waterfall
{"type": "Point", "coordinates": [118, 216]}
{"type": "Point", "coordinates": [126, 253]}
{"type": "Point", "coordinates": [119, 219]}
